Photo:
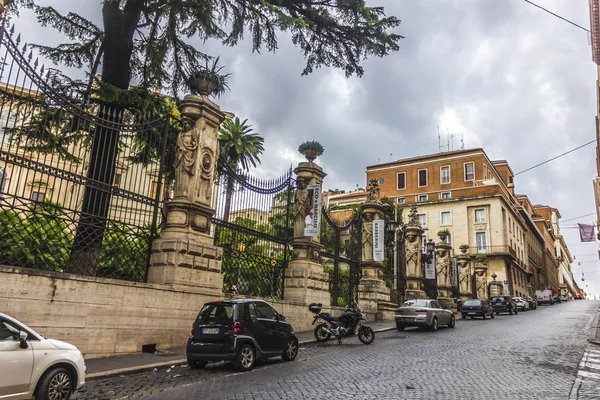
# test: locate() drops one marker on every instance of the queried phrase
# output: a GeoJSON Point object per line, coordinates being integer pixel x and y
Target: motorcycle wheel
{"type": "Point", "coordinates": [322, 333]}
{"type": "Point", "coordinates": [366, 335]}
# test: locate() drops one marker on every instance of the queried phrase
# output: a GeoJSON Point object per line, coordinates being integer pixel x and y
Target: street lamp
{"type": "Point", "coordinates": [427, 258]}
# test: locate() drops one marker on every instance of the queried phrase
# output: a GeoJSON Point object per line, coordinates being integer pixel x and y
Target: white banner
{"type": "Point", "coordinates": [430, 269]}
{"type": "Point", "coordinates": [453, 273]}
{"type": "Point", "coordinates": [312, 222]}
{"type": "Point", "coordinates": [378, 239]}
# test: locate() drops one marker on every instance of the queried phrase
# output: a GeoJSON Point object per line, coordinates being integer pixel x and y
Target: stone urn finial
{"type": "Point", "coordinates": [494, 276]}
{"type": "Point", "coordinates": [208, 80]}
{"type": "Point", "coordinates": [311, 150]}
{"type": "Point", "coordinates": [443, 234]}
{"type": "Point", "coordinates": [463, 248]}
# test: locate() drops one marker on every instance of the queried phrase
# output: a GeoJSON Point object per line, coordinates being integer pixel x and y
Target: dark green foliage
{"type": "Point", "coordinates": [311, 145]}
{"type": "Point", "coordinates": [124, 253]}
{"type": "Point", "coordinates": [331, 33]}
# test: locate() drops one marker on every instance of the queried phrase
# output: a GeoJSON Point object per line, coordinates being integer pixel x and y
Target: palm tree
{"type": "Point", "coordinates": [240, 148]}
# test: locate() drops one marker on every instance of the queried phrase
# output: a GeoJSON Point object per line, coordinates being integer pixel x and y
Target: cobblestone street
{"type": "Point", "coordinates": [532, 355]}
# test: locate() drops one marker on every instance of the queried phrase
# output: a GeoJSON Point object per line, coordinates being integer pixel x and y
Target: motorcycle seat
{"type": "Point", "coordinates": [328, 316]}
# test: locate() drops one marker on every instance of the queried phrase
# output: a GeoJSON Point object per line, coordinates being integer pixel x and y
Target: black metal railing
{"type": "Point", "coordinates": [68, 202]}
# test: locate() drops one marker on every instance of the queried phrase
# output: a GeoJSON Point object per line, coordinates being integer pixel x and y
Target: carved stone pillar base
{"type": "Point", "coordinates": [386, 311]}
{"type": "Point", "coordinates": [372, 289]}
{"type": "Point", "coordinates": [414, 289]}
{"type": "Point", "coordinates": [305, 280]}
{"type": "Point", "coordinates": [466, 295]}
{"type": "Point", "coordinates": [447, 302]}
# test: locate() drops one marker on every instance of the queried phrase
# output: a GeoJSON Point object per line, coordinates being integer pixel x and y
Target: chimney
{"type": "Point", "coordinates": [511, 185]}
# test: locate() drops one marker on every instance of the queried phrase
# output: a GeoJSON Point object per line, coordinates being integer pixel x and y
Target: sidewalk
{"type": "Point", "coordinates": [98, 368]}
{"type": "Point", "coordinates": [594, 335]}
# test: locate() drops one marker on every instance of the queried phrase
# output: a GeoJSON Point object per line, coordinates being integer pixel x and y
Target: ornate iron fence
{"type": "Point", "coordinates": [67, 202]}
{"type": "Point", "coordinates": [341, 257]}
{"type": "Point", "coordinates": [254, 225]}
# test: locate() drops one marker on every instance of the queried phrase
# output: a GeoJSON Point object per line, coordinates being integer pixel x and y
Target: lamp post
{"type": "Point", "coordinates": [428, 261]}
{"type": "Point", "coordinates": [395, 240]}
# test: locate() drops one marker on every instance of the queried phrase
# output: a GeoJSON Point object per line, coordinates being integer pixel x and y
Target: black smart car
{"type": "Point", "coordinates": [504, 304]}
{"type": "Point", "coordinates": [241, 331]}
{"type": "Point", "coordinates": [477, 308]}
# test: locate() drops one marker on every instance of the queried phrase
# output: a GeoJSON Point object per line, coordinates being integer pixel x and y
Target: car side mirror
{"type": "Point", "coordinates": [281, 317]}
{"type": "Point", "coordinates": [23, 340]}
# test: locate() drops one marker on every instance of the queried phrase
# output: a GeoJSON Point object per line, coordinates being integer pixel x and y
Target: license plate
{"type": "Point", "coordinates": [210, 331]}
{"type": "Point", "coordinates": [470, 313]}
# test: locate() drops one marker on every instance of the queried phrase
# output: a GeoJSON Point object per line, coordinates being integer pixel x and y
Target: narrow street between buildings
{"type": "Point", "coordinates": [533, 355]}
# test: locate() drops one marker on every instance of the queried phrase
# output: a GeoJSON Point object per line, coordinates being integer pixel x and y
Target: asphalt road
{"type": "Point", "coordinates": [532, 355]}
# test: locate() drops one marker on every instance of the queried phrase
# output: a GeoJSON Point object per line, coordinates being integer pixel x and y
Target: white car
{"type": "Point", "coordinates": [31, 365]}
{"type": "Point", "coordinates": [522, 304]}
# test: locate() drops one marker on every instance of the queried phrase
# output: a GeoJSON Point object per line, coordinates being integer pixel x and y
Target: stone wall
{"type": "Point", "coordinates": [105, 317]}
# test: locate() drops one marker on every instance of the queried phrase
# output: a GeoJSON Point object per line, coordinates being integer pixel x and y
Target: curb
{"type": "Point", "coordinates": [149, 367]}
{"type": "Point", "coordinates": [593, 331]}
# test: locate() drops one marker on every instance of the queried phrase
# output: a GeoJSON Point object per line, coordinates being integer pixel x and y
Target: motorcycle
{"type": "Point", "coordinates": [347, 325]}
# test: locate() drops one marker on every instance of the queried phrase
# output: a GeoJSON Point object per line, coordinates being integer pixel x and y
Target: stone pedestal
{"type": "Point", "coordinates": [373, 294]}
{"type": "Point", "coordinates": [464, 275]}
{"type": "Point", "coordinates": [481, 286]}
{"type": "Point", "coordinates": [442, 253]}
{"type": "Point", "coordinates": [413, 234]}
{"type": "Point", "coordinates": [185, 254]}
{"type": "Point", "coordinates": [305, 280]}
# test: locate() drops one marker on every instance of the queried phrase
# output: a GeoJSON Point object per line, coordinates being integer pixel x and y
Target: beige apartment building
{"type": "Point", "coordinates": [473, 198]}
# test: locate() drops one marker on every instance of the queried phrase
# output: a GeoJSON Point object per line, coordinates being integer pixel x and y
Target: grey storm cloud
{"type": "Point", "coordinates": [504, 75]}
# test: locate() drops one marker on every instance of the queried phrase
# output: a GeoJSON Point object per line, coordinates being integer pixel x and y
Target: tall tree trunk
{"type": "Point", "coordinates": [119, 26]}
{"type": "Point", "coordinates": [228, 196]}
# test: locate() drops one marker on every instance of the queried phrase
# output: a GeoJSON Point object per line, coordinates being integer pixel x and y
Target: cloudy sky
{"type": "Point", "coordinates": [503, 75]}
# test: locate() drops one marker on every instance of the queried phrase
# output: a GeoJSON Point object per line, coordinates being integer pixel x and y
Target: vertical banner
{"type": "Point", "coordinates": [454, 273]}
{"type": "Point", "coordinates": [378, 239]}
{"type": "Point", "coordinates": [312, 221]}
{"type": "Point", "coordinates": [430, 269]}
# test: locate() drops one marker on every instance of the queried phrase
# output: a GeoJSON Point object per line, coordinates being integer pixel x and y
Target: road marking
{"type": "Point", "coordinates": [587, 374]}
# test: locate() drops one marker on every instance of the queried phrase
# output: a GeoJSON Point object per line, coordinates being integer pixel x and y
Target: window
{"type": "Point", "coordinates": [479, 215]}
{"type": "Point", "coordinates": [445, 175]}
{"type": "Point", "coordinates": [8, 120]}
{"type": "Point", "coordinates": [469, 171]}
{"type": "Point", "coordinates": [216, 313]}
{"type": "Point", "coordinates": [401, 180]}
{"type": "Point", "coordinates": [422, 177]}
{"type": "Point", "coordinates": [38, 196]}
{"type": "Point", "coordinates": [446, 218]}
{"type": "Point", "coordinates": [445, 195]}
{"type": "Point", "coordinates": [423, 219]}
{"type": "Point", "coordinates": [422, 197]}
{"type": "Point", "coordinates": [401, 200]}
{"type": "Point", "coordinates": [117, 180]}
{"type": "Point", "coordinates": [380, 181]}
{"type": "Point", "coordinates": [252, 311]}
{"type": "Point", "coordinates": [448, 239]}
{"type": "Point", "coordinates": [264, 311]}
{"type": "Point", "coordinates": [481, 241]}
{"type": "Point", "coordinates": [8, 332]}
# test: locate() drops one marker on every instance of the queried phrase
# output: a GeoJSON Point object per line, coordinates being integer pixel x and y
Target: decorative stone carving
{"type": "Point", "coordinates": [442, 266]}
{"type": "Point", "coordinates": [367, 239]}
{"type": "Point", "coordinates": [373, 192]}
{"type": "Point", "coordinates": [301, 208]}
{"type": "Point", "coordinates": [187, 148]}
{"type": "Point", "coordinates": [464, 277]}
{"type": "Point", "coordinates": [413, 251]}
{"type": "Point", "coordinates": [413, 217]}
{"type": "Point", "coordinates": [480, 284]}
{"type": "Point", "coordinates": [480, 226]}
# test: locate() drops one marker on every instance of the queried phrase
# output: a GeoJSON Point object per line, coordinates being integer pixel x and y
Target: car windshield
{"type": "Point", "coordinates": [415, 303]}
{"type": "Point", "coordinates": [498, 299]}
{"type": "Point", "coordinates": [472, 303]}
{"type": "Point", "coordinates": [216, 313]}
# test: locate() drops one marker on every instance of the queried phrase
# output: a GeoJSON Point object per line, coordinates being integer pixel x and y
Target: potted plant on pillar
{"type": "Point", "coordinates": [464, 248]}
{"type": "Point", "coordinates": [209, 80]}
{"type": "Point", "coordinates": [480, 258]}
{"type": "Point", "coordinates": [443, 234]}
{"type": "Point", "coordinates": [311, 150]}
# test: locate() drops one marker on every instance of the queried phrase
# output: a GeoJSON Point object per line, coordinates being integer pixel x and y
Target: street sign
{"type": "Point", "coordinates": [528, 284]}
{"type": "Point", "coordinates": [506, 282]}
{"type": "Point", "coordinates": [430, 269]}
{"type": "Point", "coordinates": [378, 245]}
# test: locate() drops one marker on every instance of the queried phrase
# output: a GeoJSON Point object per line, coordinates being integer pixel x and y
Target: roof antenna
{"type": "Point", "coordinates": [448, 138]}
{"type": "Point", "coordinates": [390, 157]}
{"type": "Point", "coordinates": [439, 140]}
{"type": "Point", "coordinates": [462, 142]}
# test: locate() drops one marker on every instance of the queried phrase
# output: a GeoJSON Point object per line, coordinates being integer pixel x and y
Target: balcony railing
{"type": "Point", "coordinates": [485, 182]}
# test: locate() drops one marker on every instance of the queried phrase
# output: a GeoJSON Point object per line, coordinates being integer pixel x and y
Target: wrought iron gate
{"type": "Point", "coordinates": [341, 257]}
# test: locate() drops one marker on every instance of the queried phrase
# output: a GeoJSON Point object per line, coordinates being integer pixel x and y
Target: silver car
{"type": "Point", "coordinates": [424, 313]}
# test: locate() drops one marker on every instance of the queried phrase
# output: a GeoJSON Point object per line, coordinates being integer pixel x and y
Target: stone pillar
{"type": "Point", "coordinates": [185, 254]}
{"type": "Point", "coordinates": [442, 272]}
{"type": "Point", "coordinates": [495, 288]}
{"type": "Point", "coordinates": [413, 234]}
{"type": "Point", "coordinates": [464, 273]}
{"type": "Point", "coordinates": [305, 280]}
{"type": "Point", "coordinates": [373, 294]}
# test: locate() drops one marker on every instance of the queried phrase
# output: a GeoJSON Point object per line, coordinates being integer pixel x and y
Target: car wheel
{"type": "Point", "coordinates": [484, 315]}
{"type": "Point", "coordinates": [400, 327]}
{"type": "Point", "coordinates": [245, 358]}
{"type": "Point", "coordinates": [195, 364]}
{"type": "Point", "coordinates": [56, 384]}
{"type": "Point", "coordinates": [452, 323]}
{"type": "Point", "coordinates": [291, 349]}
{"type": "Point", "coordinates": [516, 310]}
{"type": "Point", "coordinates": [434, 324]}
{"type": "Point", "coordinates": [463, 316]}
{"type": "Point", "coordinates": [510, 311]}
{"type": "Point", "coordinates": [493, 315]}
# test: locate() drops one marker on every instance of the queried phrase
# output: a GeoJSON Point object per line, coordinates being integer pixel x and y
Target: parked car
{"type": "Point", "coordinates": [544, 297]}
{"type": "Point", "coordinates": [522, 304]}
{"type": "Point", "coordinates": [424, 313]}
{"type": "Point", "coordinates": [241, 331]}
{"type": "Point", "coordinates": [564, 297]}
{"type": "Point", "coordinates": [504, 304]}
{"type": "Point", "coordinates": [532, 302]}
{"type": "Point", "coordinates": [477, 308]}
{"type": "Point", "coordinates": [577, 297]}
{"type": "Point", "coordinates": [33, 365]}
